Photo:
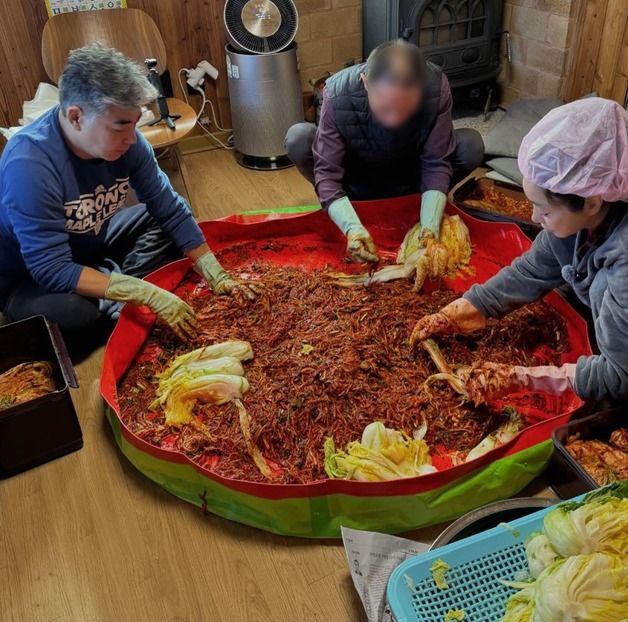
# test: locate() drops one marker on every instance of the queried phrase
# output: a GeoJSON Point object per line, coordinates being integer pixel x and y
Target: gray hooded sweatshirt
{"type": "Point", "coordinates": [597, 271]}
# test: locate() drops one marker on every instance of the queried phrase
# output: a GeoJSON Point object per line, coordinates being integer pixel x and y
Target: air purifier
{"type": "Point", "coordinates": [264, 82]}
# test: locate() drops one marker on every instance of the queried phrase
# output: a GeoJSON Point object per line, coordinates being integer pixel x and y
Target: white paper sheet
{"type": "Point", "coordinates": [372, 557]}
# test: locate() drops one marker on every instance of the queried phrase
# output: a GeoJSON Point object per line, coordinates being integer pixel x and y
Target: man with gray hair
{"type": "Point", "coordinates": [69, 248]}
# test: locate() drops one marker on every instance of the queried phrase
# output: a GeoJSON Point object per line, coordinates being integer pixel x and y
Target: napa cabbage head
{"type": "Point", "coordinates": [382, 454]}
{"type": "Point", "coordinates": [540, 553]}
{"type": "Point", "coordinates": [212, 374]}
{"type": "Point", "coordinates": [228, 366]}
{"type": "Point", "coordinates": [210, 388]}
{"type": "Point", "coordinates": [240, 350]}
{"type": "Point", "coordinates": [583, 588]}
{"type": "Point", "coordinates": [520, 606]}
{"type": "Point", "coordinates": [597, 525]}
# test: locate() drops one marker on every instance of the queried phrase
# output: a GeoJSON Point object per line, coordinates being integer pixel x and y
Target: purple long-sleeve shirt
{"type": "Point", "coordinates": [329, 151]}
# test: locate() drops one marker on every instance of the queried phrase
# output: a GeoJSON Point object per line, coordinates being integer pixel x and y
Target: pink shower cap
{"type": "Point", "coordinates": [580, 148]}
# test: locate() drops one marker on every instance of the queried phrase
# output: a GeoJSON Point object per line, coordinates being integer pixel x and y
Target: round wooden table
{"type": "Point", "coordinates": [160, 136]}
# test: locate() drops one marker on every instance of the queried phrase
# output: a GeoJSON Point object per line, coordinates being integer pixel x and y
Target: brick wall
{"type": "Point", "coordinates": [538, 34]}
{"type": "Point", "coordinates": [330, 36]}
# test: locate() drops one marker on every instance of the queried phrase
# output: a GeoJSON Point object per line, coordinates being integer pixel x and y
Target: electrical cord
{"type": "Point", "coordinates": [222, 129]}
{"type": "Point", "coordinates": [200, 114]}
{"type": "Point", "coordinates": [211, 134]}
{"type": "Point", "coordinates": [185, 94]}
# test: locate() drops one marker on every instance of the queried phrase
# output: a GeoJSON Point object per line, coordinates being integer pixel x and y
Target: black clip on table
{"type": "Point", "coordinates": [162, 103]}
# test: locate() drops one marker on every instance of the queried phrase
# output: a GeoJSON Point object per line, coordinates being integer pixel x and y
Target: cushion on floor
{"type": "Point", "coordinates": [507, 167]}
{"type": "Point", "coordinates": [505, 138]}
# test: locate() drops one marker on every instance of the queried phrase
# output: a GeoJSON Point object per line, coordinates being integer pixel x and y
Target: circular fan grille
{"type": "Point", "coordinates": [261, 26]}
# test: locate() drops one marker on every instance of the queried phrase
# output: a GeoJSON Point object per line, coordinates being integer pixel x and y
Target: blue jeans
{"type": "Point", "coordinates": [134, 244]}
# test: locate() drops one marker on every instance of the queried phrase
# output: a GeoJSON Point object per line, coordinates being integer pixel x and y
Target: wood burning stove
{"type": "Point", "coordinates": [461, 36]}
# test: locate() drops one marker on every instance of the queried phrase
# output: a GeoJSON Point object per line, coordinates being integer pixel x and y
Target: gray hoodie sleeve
{"type": "Point", "coordinates": [528, 278]}
{"type": "Point", "coordinates": [605, 376]}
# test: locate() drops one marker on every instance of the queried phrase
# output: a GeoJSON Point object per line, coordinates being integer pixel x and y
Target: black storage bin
{"type": "Point", "coordinates": [566, 476]}
{"type": "Point", "coordinates": [47, 427]}
{"type": "Point", "coordinates": [470, 187]}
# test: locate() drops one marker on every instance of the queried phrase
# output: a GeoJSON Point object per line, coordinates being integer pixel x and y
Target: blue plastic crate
{"type": "Point", "coordinates": [477, 565]}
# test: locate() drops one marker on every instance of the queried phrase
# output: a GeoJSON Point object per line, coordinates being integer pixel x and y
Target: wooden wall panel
{"type": "Point", "coordinates": [192, 31]}
{"type": "Point", "coordinates": [621, 79]}
{"type": "Point", "coordinates": [21, 69]}
{"type": "Point", "coordinates": [598, 51]}
{"type": "Point", "coordinates": [611, 74]}
{"type": "Point", "coordinates": [585, 40]}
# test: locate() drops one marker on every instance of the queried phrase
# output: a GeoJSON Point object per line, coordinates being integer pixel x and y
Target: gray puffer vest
{"type": "Point", "coordinates": [374, 152]}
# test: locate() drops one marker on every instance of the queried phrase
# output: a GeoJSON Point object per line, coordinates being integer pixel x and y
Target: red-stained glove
{"type": "Point", "coordinates": [223, 283]}
{"type": "Point", "coordinates": [459, 316]}
{"type": "Point", "coordinates": [489, 381]}
{"type": "Point", "coordinates": [546, 378]}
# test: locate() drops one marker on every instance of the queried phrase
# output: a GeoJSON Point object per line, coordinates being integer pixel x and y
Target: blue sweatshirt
{"type": "Point", "coordinates": [55, 207]}
{"type": "Point", "coordinates": [598, 274]}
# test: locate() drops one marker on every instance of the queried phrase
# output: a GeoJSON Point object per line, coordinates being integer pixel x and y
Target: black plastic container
{"type": "Point", "coordinates": [45, 428]}
{"type": "Point", "coordinates": [471, 186]}
{"type": "Point", "coordinates": [567, 477]}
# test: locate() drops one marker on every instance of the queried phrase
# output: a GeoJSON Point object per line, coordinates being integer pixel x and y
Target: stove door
{"type": "Point", "coordinates": [460, 36]}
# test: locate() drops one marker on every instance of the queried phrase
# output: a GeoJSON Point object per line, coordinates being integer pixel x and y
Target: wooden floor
{"type": "Point", "coordinates": [220, 187]}
{"type": "Point", "coordinates": [87, 538]}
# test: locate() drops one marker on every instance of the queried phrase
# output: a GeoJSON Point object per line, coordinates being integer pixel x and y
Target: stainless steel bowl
{"type": "Point", "coordinates": [490, 516]}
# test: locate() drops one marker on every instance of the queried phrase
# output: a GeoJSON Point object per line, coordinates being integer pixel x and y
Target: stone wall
{"type": "Point", "coordinates": [329, 37]}
{"type": "Point", "coordinates": [538, 35]}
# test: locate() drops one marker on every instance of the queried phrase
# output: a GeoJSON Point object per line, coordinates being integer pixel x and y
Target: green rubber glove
{"type": "Point", "coordinates": [433, 204]}
{"type": "Point", "coordinates": [360, 245]}
{"type": "Point", "coordinates": [221, 282]}
{"type": "Point", "coordinates": [168, 307]}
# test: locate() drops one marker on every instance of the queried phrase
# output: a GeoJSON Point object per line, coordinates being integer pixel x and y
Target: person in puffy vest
{"type": "Point", "coordinates": [385, 130]}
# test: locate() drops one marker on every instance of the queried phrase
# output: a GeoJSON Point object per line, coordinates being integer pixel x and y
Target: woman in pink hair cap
{"type": "Point", "coordinates": [575, 167]}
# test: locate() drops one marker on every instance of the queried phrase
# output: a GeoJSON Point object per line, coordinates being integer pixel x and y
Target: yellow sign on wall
{"type": "Point", "coordinates": [57, 7]}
